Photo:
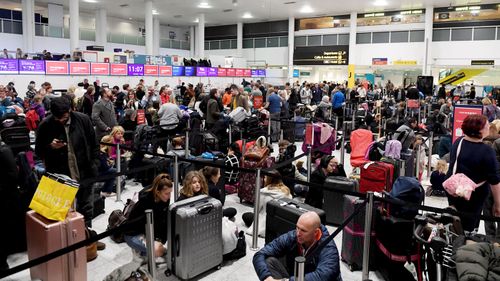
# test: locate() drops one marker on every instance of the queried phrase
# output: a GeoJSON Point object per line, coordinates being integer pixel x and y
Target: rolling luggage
{"type": "Point", "coordinates": [210, 142]}
{"type": "Point", "coordinates": [97, 201]}
{"type": "Point", "coordinates": [409, 168]}
{"type": "Point", "coordinates": [376, 177]}
{"type": "Point", "coordinates": [19, 137]}
{"type": "Point", "coordinates": [46, 236]}
{"type": "Point", "coordinates": [247, 181]}
{"type": "Point", "coordinates": [161, 166]}
{"type": "Point", "coordinates": [283, 214]}
{"type": "Point", "coordinates": [238, 115]}
{"type": "Point", "coordinates": [332, 199]}
{"type": "Point", "coordinates": [194, 236]}
{"type": "Point", "coordinates": [398, 164]}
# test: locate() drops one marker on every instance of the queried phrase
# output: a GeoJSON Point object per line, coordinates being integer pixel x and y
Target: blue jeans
{"type": "Point", "coordinates": [137, 243]}
{"type": "Point", "coordinates": [109, 185]}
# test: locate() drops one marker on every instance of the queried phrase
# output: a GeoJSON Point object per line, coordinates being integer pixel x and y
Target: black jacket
{"type": "Point", "coordinates": [160, 216]}
{"type": "Point", "coordinates": [88, 103]}
{"type": "Point", "coordinates": [314, 196]}
{"type": "Point", "coordinates": [84, 143]}
{"type": "Point", "coordinates": [217, 191]}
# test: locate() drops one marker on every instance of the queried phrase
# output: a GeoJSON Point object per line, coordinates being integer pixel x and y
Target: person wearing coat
{"type": "Point", "coordinates": [213, 112]}
{"type": "Point", "coordinates": [103, 114]}
{"type": "Point", "coordinates": [328, 166]}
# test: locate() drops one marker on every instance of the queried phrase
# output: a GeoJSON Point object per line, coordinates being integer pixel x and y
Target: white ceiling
{"type": "Point", "coordinates": [261, 10]}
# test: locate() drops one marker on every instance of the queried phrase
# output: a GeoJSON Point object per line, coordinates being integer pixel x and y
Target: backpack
{"type": "Point", "coordinates": [143, 136]}
{"type": "Point", "coordinates": [407, 189]}
{"type": "Point", "coordinates": [375, 151]}
{"type": "Point", "coordinates": [393, 149]}
{"type": "Point", "coordinates": [117, 218]}
{"type": "Point", "coordinates": [32, 120]}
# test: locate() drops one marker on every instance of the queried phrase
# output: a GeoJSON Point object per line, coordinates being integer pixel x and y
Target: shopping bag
{"type": "Point", "coordinates": [53, 198]}
{"type": "Point", "coordinates": [141, 117]}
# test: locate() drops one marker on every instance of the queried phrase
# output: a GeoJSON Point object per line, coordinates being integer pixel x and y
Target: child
{"type": "Point", "coordinates": [437, 179]}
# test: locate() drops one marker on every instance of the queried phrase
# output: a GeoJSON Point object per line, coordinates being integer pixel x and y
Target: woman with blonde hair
{"type": "Point", "coordinates": [116, 135]}
{"type": "Point", "coordinates": [106, 166]}
{"type": "Point", "coordinates": [437, 179]}
{"type": "Point", "coordinates": [194, 184]}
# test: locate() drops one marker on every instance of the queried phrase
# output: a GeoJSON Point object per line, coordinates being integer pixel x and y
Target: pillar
{"type": "Point", "coordinates": [201, 36]}
{"type": "Point", "coordinates": [148, 12]}
{"type": "Point", "coordinates": [291, 46]}
{"type": "Point", "coordinates": [74, 25]}
{"type": "Point", "coordinates": [191, 42]}
{"type": "Point", "coordinates": [101, 27]}
{"type": "Point", "coordinates": [239, 39]}
{"type": "Point", "coordinates": [352, 49]}
{"type": "Point", "coordinates": [28, 25]}
{"type": "Point", "coordinates": [156, 36]}
{"type": "Point", "coordinates": [429, 21]}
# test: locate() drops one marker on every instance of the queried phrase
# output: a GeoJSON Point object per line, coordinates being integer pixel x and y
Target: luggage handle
{"type": "Point", "coordinates": [292, 204]}
{"type": "Point", "coordinates": [177, 244]}
{"type": "Point", "coordinates": [205, 209]}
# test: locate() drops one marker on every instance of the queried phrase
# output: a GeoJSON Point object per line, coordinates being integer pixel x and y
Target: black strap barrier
{"type": "Point", "coordinates": [67, 250]}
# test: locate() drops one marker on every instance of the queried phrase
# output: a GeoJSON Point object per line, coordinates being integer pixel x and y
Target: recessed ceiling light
{"type": "Point", "coordinates": [306, 9]}
{"type": "Point", "coordinates": [90, 1]}
{"type": "Point", "coordinates": [204, 5]}
{"type": "Point", "coordinates": [247, 16]}
{"type": "Point", "coordinates": [197, 20]}
{"type": "Point", "coordinates": [155, 12]}
{"type": "Point", "coordinates": [380, 3]}
{"type": "Point", "coordinates": [129, 18]}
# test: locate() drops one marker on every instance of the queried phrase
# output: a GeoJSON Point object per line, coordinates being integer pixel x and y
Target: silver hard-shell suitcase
{"type": "Point", "coordinates": [194, 236]}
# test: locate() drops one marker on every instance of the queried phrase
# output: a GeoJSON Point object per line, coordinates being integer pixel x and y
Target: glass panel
{"type": "Point", "coordinates": [284, 41]}
{"type": "Point", "coordinates": [141, 41]}
{"type": "Point", "coordinates": [7, 26]}
{"type": "Point", "coordinates": [185, 45]}
{"type": "Point", "coordinates": [380, 37]}
{"type": "Point", "coordinates": [363, 38]}
{"type": "Point", "coordinates": [87, 34]}
{"type": "Point", "coordinates": [130, 39]}
{"type": "Point", "coordinates": [116, 38]}
{"type": "Point", "coordinates": [272, 42]}
{"type": "Point", "coordinates": [441, 35]}
{"type": "Point", "coordinates": [17, 27]}
{"type": "Point", "coordinates": [399, 36]}
{"type": "Point", "coordinates": [484, 33]}
{"type": "Point", "coordinates": [329, 40]}
{"type": "Point", "coordinates": [248, 43]}
{"type": "Point", "coordinates": [214, 45]}
{"type": "Point", "coordinates": [300, 41]}
{"type": "Point", "coordinates": [225, 44]}
{"type": "Point", "coordinates": [176, 44]}
{"type": "Point", "coordinates": [38, 30]}
{"type": "Point", "coordinates": [260, 42]}
{"type": "Point", "coordinates": [417, 36]}
{"type": "Point", "coordinates": [461, 34]}
{"type": "Point", "coordinates": [66, 33]}
{"type": "Point", "coordinates": [234, 44]}
{"type": "Point", "coordinates": [55, 31]}
{"type": "Point", "coordinates": [207, 45]}
{"type": "Point", "coordinates": [164, 43]}
{"type": "Point", "coordinates": [314, 40]}
{"type": "Point", "coordinates": [343, 39]}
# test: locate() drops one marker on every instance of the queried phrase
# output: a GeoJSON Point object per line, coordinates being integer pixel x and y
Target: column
{"type": "Point", "coordinates": [28, 25]}
{"type": "Point", "coordinates": [291, 46]}
{"type": "Point", "coordinates": [101, 27]}
{"type": "Point", "coordinates": [148, 11]}
{"type": "Point", "coordinates": [429, 20]}
{"type": "Point", "coordinates": [352, 49]}
{"type": "Point", "coordinates": [239, 39]}
{"type": "Point", "coordinates": [74, 25]}
{"type": "Point", "coordinates": [156, 36]}
{"type": "Point", "coordinates": [201, 36]}
{"type": "Point", "coordinates": [191, 42]}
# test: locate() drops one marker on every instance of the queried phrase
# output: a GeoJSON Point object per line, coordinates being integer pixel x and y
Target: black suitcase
{"type": "Point", "coordinates": [283, 214]}
{"type": "Point", "coordinates": [210, 142]}
{"type": "Point", "coordinates": [17, 137]}
{"type": "Point", "coordinates": [146, 177]}
{"type": "Point", "coordinates": [353, 235]}
{"type": "Point", "coordinates": [97, 201]}
{"type": "Point", "coordinates": [333, 200]}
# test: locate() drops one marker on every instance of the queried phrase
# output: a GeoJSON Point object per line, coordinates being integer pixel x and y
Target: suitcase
{"type": "Point", "coordinates": [409, 168]}
{"type": "Point", "coordinates": [238, 115]}
{"type": "Point", "coordinates": [97, 201]}
{"type": "Point", "coordinates": [283, 214]}
{"type": "Point", "coordinates": [246, 189]}
{"type": "Point", "coordinates": [332, 200]}
{"type": "Point", "coordinates": [18, 137]}
{"type": "Point", "coordinates": [162, 166]}
{"type": "Point", "coordinates": [194, 236]}
{"type": "Point", "coordinates": [45, 236]}
{"type": "Point", "coordinates": [398, 164]}
{"type": "Point", "coordinates": [376, 177]}
{"type": "Point", "coordinates": [210, 142]}
{"type": "Point", "coordinates": [353, 235]}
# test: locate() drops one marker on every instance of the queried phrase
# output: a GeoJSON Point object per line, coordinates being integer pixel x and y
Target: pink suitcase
{"type": "Point", "coordinates": [46, 236]}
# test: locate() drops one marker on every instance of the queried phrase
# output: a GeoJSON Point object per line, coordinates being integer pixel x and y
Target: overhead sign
{"type": "Point", "coordinates": [31, 67]}
{"type": "Point", "coordinates": [9, 66]}
{"type": "Point", "coordinates": [135, 69]}
{"type": "Point", "coordinates": [460, 76]}
{"type": "Point", "coordinates": [379, 61]}
{"type": "Point", "coordinates": [296, 73]}
{"type": "Point", "coordinates": [79, 68]}
{"type": "Point", "coordinates": [151, 70]}
{"type": "Point", "coordinates": [222, 72]}
{"type": "Point", "coordinates": [239, 72]}
{"type": "Point", "coordinates": [56, 67]}
{"type": "Point", "coordinates": [177, 70]}
{"type": "Point", "coordinates": [119, 69]}
{"type": "Point", "coordinates": [404, 62]}
{"type": "Point", "coordinates": [165, 70]}
{"type": "Point", "coordinates": [459, 114]}
{"type": "Point", "coordinates": [99, 68]}
{"type": "Point", "coordinates": [231, 72]}
{"type": "Point", "coordinates": [212, 72]}
{"type": "Point", "coordinates": [201, 71]}
{"type": "Point", "coordinates": [247, 73]}
{"type": "Point", "coordinates": [482, 62]}
{"type": "Point", "coordinates": [324, 55]}
{"type": "Point", "coordinates": [350, 77]}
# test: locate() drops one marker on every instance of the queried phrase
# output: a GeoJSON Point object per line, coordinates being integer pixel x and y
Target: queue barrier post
{"type": "Point", "coordinates": [255, 237]}
{"type": "Point", "coordinates": [150, 243]}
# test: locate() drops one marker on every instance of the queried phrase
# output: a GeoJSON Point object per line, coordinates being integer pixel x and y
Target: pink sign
{"type": "Point", "coordinates": [99, 68]}
{"type": "Point", "coordinates": [79, 68]}
{"type": "Point", "coordinates": [56, 67]}
{"type": "Point", "coordinates": [239, 72]}
{"type": "Point", "coordinates": [165, 70]}
{"type": "Point", "coordinates": [119, 69]}
{"type": "Point", "coordinates": [459, 114]}
{"type": "Point", "coordinates": [222, 72]}
{"type": "Point", "coordinates": [231, 72]}
{"type": "Point", "coordinates": [247, 73]}
{"type": "Point", "coordinates": [150, 70]}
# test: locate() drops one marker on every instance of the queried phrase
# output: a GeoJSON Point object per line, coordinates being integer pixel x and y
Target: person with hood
{"type": "Point", "coordinates": [328, 166]}
{"type": "Point", "coordinates": [324, 106]}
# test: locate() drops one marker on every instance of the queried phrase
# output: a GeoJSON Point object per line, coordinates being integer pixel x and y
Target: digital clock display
{"type": "Point", "coordinates": [135, 69]}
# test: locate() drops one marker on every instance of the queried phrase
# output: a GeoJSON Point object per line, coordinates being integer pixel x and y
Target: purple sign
{"type": "Point", "coordinates": [213, 71]}
{"type": "Point", "coordinates": [31, 67]}
{"type": "Point", "coordinates": [9, 66]}
{"type": "Point", "coordinates": [261, 72]}
{"type": "Point", "coordinates": [177, 70]}
{"type": "Point", "coordinates": [189, 71]}
{"type": "Point", "coordinates": [255, 73]}
{"type": "Point", "coordinates": [201, 71]}
{"type": "Point", "coordinates": [135, 69]}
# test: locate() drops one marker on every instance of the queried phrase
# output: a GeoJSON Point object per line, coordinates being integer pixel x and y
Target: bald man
{"type": "Point", "coordinates": [322, 266]}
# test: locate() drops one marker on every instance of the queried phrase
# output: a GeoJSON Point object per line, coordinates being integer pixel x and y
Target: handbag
{"type": "Point", "coordinates": [258, 151]}
{"type": "Point", "coordinates": [54, 196]}
{"type": "Point", "coordinates": [460, 185]}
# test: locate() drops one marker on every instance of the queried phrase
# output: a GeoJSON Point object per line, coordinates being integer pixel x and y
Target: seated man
{"type": "Point", "coordinates": [323, 266]}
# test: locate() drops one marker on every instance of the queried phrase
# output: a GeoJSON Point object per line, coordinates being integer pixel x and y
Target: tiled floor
{"type": "Point", "coordinates": [119, 255]}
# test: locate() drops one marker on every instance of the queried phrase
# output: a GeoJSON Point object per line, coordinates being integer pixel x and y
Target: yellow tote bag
{"type": "Point", "coordinates": [53, 198]}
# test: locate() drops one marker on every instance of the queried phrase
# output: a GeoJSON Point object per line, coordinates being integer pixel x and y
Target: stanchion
{"type": "Point", "coordinates": [269, 130]}
{"type": "Point", "coordinates": [342, 146]}
{"type": "Point", "coordinates": [243, 146]}
{"type": "Point", "coordinates": [417, 161]}
{"type": "Point", "coordinates": [256, 203]}
{"type": "Point", "coordinates": [186, 144]}
{"type": "Point", "coordinates": [150, 243]}
{"type": "Point", "coordinates": [230, 134]}
{"type": "Point", "coordinates": [429, 155]}
{"type": "Point", "coordinates": [309, 162]}
{"type": "Point", "coordinates": [281, 135]}
{"type": "Point", "coordinates": [118, 170]}
{"type": "Point", "coordinates": [299, 272]}
{"type": "Point", "coordinates": [336, 122]}
{"type": "Point", "coordinates": [366, 242]}
{"type": "Point", "coordinates": [176, 177]}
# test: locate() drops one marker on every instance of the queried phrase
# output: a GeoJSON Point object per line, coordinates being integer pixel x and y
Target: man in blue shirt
{"type": "Point", "coordinates": [273, 104]}
{"type": "Point", "coordinates": [338, 101]}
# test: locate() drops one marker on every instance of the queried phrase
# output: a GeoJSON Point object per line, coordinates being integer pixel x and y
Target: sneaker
{"type": "Point", "coordinates": [100, 246]}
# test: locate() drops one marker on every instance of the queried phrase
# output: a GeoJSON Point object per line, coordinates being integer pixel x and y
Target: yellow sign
{"type": "Point", "coordinates": [461, 76]}
{"type": "Point", "coordinates": [404, 62]}
{"type": "Point", "coordinates": [350, 78]}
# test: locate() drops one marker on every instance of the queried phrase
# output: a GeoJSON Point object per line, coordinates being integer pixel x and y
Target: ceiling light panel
{"type": "Point", "coordinates": [380, 3]}
{"type": "Point", "coordinates": [204, 5]}
{"type": "Point", "coordinates": [306, 9]}
{"type": "Point", "coordinates": [247, 16]}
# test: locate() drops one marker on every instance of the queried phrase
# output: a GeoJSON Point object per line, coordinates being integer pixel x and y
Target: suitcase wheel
{"type": "Point", "coordinates": [168, 272]}
{"type": "Point", "coordinates": [219, 267]}
{"type": "Point", "coordinates": [352, 267]}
